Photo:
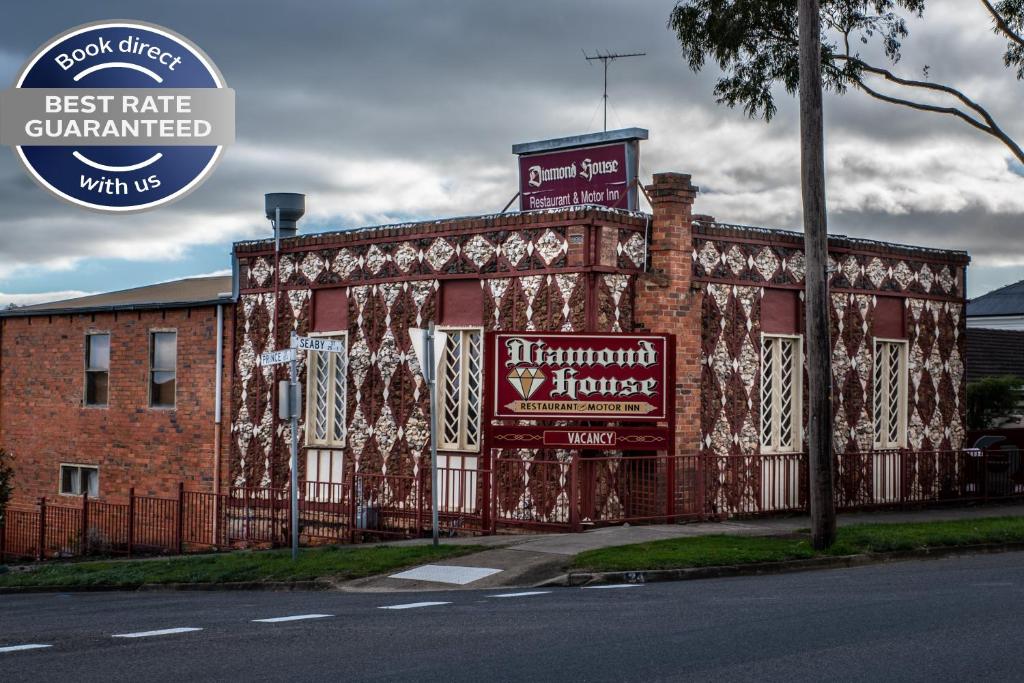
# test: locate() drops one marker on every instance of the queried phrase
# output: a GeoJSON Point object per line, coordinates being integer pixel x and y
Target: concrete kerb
{"type": "Point", "coordinates": [579, 579]}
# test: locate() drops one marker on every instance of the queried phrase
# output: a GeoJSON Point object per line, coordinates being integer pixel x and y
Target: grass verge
{"type": "Point", "coordinates": [711, 551]}
{"type": "Point", "coordinates": [261, 566]}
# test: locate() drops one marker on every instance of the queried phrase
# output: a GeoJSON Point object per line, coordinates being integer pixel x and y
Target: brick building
{"type": "Point", "coordinates": [106, 392]}
{"type": "Point", "coordinates": [731, 295]}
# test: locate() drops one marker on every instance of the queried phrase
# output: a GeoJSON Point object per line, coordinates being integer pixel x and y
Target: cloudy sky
{"type": "Point", "coordinates": [389, 111]}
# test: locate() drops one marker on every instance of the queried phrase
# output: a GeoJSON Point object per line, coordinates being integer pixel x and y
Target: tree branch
{"type": "Point", "coordinates": [1002, 25]}
{"type": "Point", "coordinates": [987, 125]}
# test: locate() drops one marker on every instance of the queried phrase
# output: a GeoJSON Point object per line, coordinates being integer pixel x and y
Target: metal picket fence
{"type": "Point", "coordinates": [568, 494]}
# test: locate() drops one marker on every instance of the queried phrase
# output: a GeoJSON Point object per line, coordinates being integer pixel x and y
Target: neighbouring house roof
{"type": "Point", "coordinates": [992, 353]}
{"type": "Point", "coordinates": [185, 293]}
{"type": "Point", "coordinates": [1008, 300]}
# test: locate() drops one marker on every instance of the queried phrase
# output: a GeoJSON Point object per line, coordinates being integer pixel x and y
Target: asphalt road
{"type": "Point", "coordinates": [949, 619]}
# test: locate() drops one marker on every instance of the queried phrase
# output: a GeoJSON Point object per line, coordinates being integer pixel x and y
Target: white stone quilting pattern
{"type": "Point", "coordinates": [617, 284]}
{"type": "Point", "coordinates": [439, 253]}
{"type": "Point", "coordinates": [345, 263]}
{"type": "Point", "coordinates": [499, 287]}
{"type": "Point", "coordinates": [297, 298]}
{"type": "Point", "coordinates": [375, 259]}
{"type": "Point", "coordinates": [708, 257]}
{"type": "Point", "coordinates": [359, 432]}
{"type": "Point", "coordinates": [766, 263]}
{"type": "Point", "coordinates": [478, 250]}
{"type": "Point", "coordinates": [550, 246]}
{"type": "Point", "coordinates": [260, 271]}
{"type": "Point", "coordinates": [634, 249]}
{"type": "Point", "coordinates": [735, 259]}
{"type": "Point", "coordinates": [385, 431]}
{"type": "Point", "coordinates": [530, 286]}
{"type": "Point", "coordinates": [566, 284]}
{"type": "Point", "coordinates": [796, 264]}
{"type": "Point", "coordinates": [405, 256]}
{"type": "Point", "coordinates": [876, 272]}
{"type": "Point", "coordinates": [902, 274]}
{"type": "Point", "coordinates": [514, 248]}
{"type": "Point", "coordinates": [287, 265]}
{"type": "Point", "coordinates": [312, 265]}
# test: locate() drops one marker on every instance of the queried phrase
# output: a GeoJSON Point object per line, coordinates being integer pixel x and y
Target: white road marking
{"type": "Point", "coordinates": [297, 617]}
{"type": "Point", "coordinates": [161, 632]}
{"type": "Point", "coordinates": [617, 585]}
{"type": "Point", "coordinates": [414, 605]}
{"type": "Point", "coordinates": [518, 595]}
{"type": "Point", "coordinates": [19, 648]}
{"type": "Point", "coordinates": [446, 573]}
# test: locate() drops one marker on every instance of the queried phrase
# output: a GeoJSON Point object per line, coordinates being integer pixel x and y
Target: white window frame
{"type": "Point", "coordinates": [325, 475]}
{"type": "Point", "coordinates": [89, 369]}
{"type": "Point", "coordinates": [153, 370]}
{"type": "Point", "coordinates": [314, 361]}
{"type": "Point", "coordinates": [881, 410]}
{"type": "Point", "coordinates": [772, 394]}
{"type": "Point", "coordinates": [79, 468]}
{"type": "Point", "coordinates": [460, 432]}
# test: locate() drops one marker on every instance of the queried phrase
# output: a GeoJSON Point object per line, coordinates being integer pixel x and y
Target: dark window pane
{"type": "Point", "coordinates": [67, 479]}
{"type": "Point", "coordinates": [162, 390]}
{"type": "Point", "coordinates": [96, 388]}
{"type": "Point", "coordinates": [98, 353]}
{"type": "Point", "coordinates": [164, 350]}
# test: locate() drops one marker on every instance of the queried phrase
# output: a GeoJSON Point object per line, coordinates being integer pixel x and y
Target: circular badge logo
{"type": "Point", "coordinates": [118, 116]}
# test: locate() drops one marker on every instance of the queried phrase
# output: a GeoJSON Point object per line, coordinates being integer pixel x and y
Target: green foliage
{"type": "Point", "coordinates": [332, 562]}
{"type": "Point", "coordinates": [6, 480]}
{"type": "Point", "coordinates": [1012, 12]}
{"type": "Point", "coordinates": [755, 43]}
{"type": "Point", "coordinates": [992, 400]}
{"type": "Point", "coordinates": [722, 550]}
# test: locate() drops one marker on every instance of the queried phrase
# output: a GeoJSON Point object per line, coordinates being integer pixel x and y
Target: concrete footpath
{"type": "Point", "coordinates": [528, 559]}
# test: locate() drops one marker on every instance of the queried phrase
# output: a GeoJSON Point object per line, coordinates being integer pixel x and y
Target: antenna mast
{"type": "Point", "coordinates": [605, 59]}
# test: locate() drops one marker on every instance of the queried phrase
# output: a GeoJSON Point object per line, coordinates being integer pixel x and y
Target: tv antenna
{"type": "Point", "coordinates": [605, 59]}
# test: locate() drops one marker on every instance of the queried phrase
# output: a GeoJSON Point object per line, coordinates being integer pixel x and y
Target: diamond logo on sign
{"type": "Point", "coordinates": [118, 116]}
{"type": "Point", "coordinates": [526, 381]}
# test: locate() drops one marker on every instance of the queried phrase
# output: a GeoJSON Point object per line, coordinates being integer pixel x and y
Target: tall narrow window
{"type": "Point", "coordinates": [461, 378]}
{"type": "Point", "coordinates": [78, 479]}
{"type": "Point", "coordinates": [163, 369]}
{"type": "Point", "coordinates": [327, 377]}
{"type": "Point", "coordinates": [97, 369]}
{"type": "Point", "coordinates": [890, 384]}
{"type": "Point", "coordinates": [781, 384]}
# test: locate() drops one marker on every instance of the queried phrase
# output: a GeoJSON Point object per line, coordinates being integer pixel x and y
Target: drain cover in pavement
{"type": "Point", "coordinates": [446, 574]}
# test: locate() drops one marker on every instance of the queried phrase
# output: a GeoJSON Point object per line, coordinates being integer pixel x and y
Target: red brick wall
{"type": "Point", "coordinates": [44, 423]}
{"type": "Point", "coordinates": [665, 302]}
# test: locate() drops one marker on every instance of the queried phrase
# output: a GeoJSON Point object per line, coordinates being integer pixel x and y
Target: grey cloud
{"type": "Point", "coordinates": [446, 87]}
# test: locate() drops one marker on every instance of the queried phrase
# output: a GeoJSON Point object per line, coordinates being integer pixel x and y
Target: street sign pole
{"type": "Point", "coordinates": [293, 386]}
{"type": "Point", "coordinates": [431, 370]}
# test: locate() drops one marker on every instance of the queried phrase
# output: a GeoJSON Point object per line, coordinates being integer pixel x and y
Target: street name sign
{"type": "Point", "coordinates": [277, 357]}
{"type": "Point", "coordinates": [317, 344]}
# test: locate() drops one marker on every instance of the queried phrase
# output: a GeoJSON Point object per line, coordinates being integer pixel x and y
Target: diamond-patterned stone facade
{"type": "Point", "coordinates": [783, 264]}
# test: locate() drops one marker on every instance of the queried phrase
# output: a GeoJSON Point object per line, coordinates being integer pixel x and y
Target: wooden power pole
{"type": "Point", "coordinates": [819, 351]}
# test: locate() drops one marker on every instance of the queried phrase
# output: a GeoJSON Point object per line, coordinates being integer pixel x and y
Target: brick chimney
{"type": "Point", "coordinates": [665, 303]}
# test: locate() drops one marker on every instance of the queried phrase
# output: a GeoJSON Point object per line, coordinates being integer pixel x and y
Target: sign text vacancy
{"type": "Point", "coordinates": [580, 376]}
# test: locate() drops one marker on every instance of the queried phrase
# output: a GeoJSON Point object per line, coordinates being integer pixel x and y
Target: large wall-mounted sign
{"type": "Point", "coordinates": [579, 377]}
{"type": "Point", "coordinates": [598, 169]}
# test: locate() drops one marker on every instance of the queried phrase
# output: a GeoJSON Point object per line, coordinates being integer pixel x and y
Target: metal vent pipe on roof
{"type": "Point", "coordinates": [291, 205]}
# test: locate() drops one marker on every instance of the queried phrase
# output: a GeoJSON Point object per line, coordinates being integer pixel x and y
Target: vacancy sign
{"type": "Point", "coordinates": [579, 377]}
